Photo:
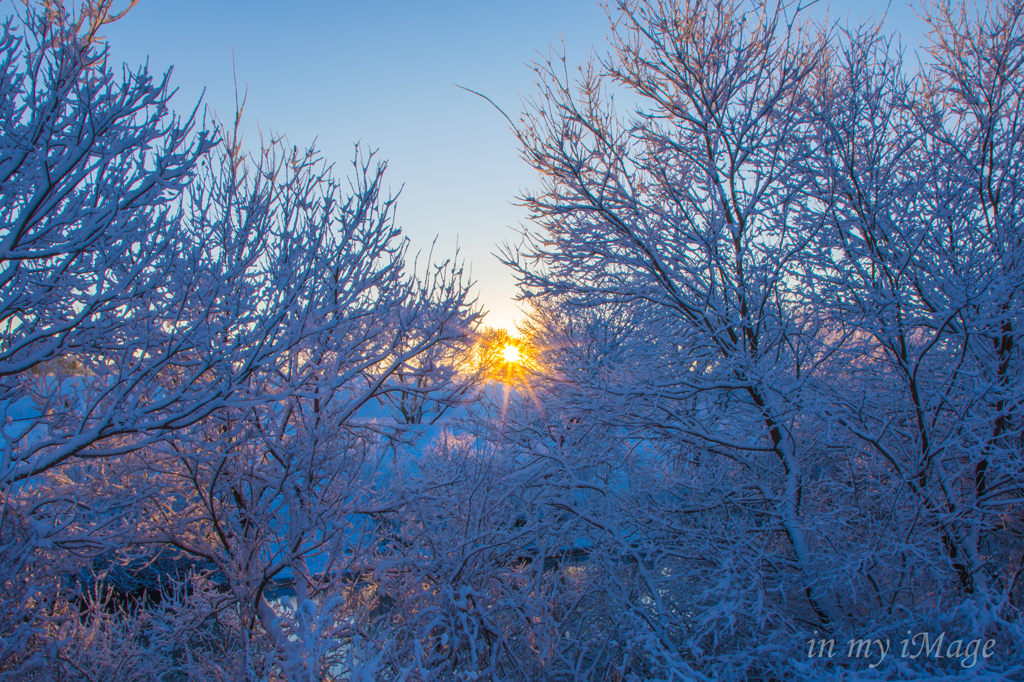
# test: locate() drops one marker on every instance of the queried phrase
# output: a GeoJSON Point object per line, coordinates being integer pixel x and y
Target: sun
{"type": "Point", "coordinates": [511, 353]}
{"type": "Point", "coordinates": [503, 357]}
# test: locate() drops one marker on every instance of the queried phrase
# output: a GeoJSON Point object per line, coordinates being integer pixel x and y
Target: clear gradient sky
{"type": "Point", "coordinates": [382, 72]}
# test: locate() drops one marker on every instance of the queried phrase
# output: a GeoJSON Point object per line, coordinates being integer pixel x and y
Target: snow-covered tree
{"type": "Point", "coordinates": [90, 166]}
{"type": "Point", "coordinates": [191, 339]}
{"type": "Point", "coordinates": [281, 485]}
{"type": "Point", "coordinates": [789, 275]}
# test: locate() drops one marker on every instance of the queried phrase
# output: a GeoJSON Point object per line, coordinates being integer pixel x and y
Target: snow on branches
{"type": "Point", "coordinates": [190, 340]}
{"type": "Point", "coordinates": [767, 404]}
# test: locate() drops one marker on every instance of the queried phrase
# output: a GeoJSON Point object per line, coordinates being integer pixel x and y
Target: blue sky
{"type": "Point", "coordinates": [382, 72]}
